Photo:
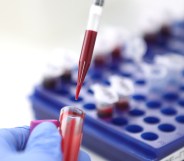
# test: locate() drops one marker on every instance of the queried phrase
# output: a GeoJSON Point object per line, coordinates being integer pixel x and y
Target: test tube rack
{"type": "Point", "coordinates": [151, 131]}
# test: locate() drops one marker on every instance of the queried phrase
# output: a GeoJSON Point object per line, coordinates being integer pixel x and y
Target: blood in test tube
{"type": "Point", "coordinates": [51, 78]}
{"type": "Point", "coordinates": [116, 53]}
{"type": "Point", "coordinates": [122, 104]}
{"type": "Point", "coordinates": [150, 38]}
{"type": "Point", "coordinates": [105, 111]}
{"type": "Point", "coordinates": [100, 60]}
{"type": "Point", "coordinates": [124, 88]}
{"type": "Point", "coordinates": [49, 82]}
{"type": "Point", "coordinates": [71, 127]}
{"type": "Point", "coordinates": [66, 76]}
{"type": "Point", "coordinates": [165, 30]}
{"type": "Point", "coordinates": [105, 99]}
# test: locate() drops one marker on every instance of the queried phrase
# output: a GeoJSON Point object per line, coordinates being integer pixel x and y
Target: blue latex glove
{"type": "Point", "coordinates": [43, 144]}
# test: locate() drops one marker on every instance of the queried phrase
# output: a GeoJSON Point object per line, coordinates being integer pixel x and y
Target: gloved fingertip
{"type": "Point", "coordinates": [45, 140]}
{"type": "Point", "coordinates": [84, 156]}
{"type": "Point", "coordinates": [35, 123]}
{"type": "Point", "coordinates": [45, 127]}
{"type": "Point", "coordinates": [45, 133]}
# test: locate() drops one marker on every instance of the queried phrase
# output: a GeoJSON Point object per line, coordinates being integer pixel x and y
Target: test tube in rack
{"type": "Point", "coordinates": [105, 99]}
{"type": "Point", "coordinates": [124, 88]}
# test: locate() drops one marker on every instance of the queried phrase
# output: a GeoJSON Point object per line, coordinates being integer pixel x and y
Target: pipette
{"type": "Point", "coordinates": [89, 42]}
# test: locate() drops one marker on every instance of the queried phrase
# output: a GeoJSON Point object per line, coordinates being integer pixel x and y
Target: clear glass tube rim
{"type": "Point", "coordinates": [73, 112]}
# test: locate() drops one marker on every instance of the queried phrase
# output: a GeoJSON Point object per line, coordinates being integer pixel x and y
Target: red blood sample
{"type": "Point", "coordinates": [85, 58]}
{"type": "Point", "coordinates": [105, 112]}
{"type": "Point", "coordinates": [150, 38]}
{"type": "Point", "coordinates": [122, 105]}
{"type": "Point", "coordinates": [66, 76]}
{"type": "Point", "coordinates": [116, 53]}
{"type": "Point", "coordinates": [71, 120]}
{"type": "Point", "coordinates": [165, 30]}
{"type": "Point", "coordinates": [49, 83]}
{"type": "Point", "coordinates": [99, 60]}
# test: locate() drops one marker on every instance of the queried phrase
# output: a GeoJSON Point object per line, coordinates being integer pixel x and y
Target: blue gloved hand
{"type": "Point", "coordinates": [42, 145]}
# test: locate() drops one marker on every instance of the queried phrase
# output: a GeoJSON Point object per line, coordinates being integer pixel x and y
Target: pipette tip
{"type": "Point", "coordinates": [78, 91]}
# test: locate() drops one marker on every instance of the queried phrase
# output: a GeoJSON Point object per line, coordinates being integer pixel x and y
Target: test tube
{"type": "Point", "coordinates": [135, 48]}
{"type": "Point", "coordinates": [156, 76]}
{"type": "Point", "coordinates": [105, 99]}
{"type": "Point", "coordinates": [174, 64]}
{"type": "Point", "coordinates": [124, 88]}
{"type": "Point", "coordinates": [66, 76]}
{"type": "Point", "coordinates": [71, 127]}
{"type": "Point", "coordinates": [116, 53]}
{"type": "Point", "coordinates": [51, 77]}
{"type": "Point", "coordinates": [99, 60]}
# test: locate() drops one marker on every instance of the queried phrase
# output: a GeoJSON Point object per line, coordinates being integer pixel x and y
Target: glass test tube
{"type": "Point", "coordinates": [135, 48]}
{"type": "Point", "coordinates": [174, 64]}
{"type": "Point", "coordinates": [124, 88]}
{"type": "Point", "coordinates": [71, 127]}
{"type": "Point", "coordinates": [156, 76]}
{"type": "Point", "coordinates": [105, 99]}
{"type": "Point", "coordinates": [51, 77]}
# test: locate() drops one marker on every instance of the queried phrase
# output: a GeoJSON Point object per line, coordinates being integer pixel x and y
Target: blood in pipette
{"type": "Point", "coordinates": [85, 58]}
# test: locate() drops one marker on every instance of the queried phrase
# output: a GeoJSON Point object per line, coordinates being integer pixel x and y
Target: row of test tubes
{"type": "Point", "coordinates": [113, 98]}
{"type": "Point", "coordinates": [151, 80]}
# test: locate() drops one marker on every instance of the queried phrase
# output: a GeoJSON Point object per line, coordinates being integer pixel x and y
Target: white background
{"type": "Point", "coordinates": [31, 29]}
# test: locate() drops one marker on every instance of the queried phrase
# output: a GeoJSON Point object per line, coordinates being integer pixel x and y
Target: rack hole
{"type": "Point", "coordinates": [169, 111]}
{"type": "Point", "coordinates": [151, 120]}
{"type": "Point", "coordinates": [181, 102]}
{"type": "Point", "coordinates": [90, 106]}
{"type": "Point", "coordinates": [134, 128]}
{"type": "Point", "coordinates": [136, 112]}
{"type": "Point", "coordinates": [119, 121]}
{"type": "Point", "coordinates": [153, 104]}
{"type": "Point", "coordinates": [106, 82]}
{"type": "Point", "coordinates": [90, 91]}
{"type": "Point", "coordinates": [140, 82]}
{"type": "Point", "coordinates": [150, 136]}
{"type": "Point", "coordinates": [166, 127]}
{"type": "Point", "coordinates": [180, 119]}
{"type": "Point", "coordinates": [171, 96]}
{"type": "Point", "coordinates": [80, 99]}
{"type": "Point", "coordinates": [139, 97]}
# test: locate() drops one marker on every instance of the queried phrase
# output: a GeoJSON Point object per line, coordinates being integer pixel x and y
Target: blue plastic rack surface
{"type": "Point", "coordinates": [150, 131]}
